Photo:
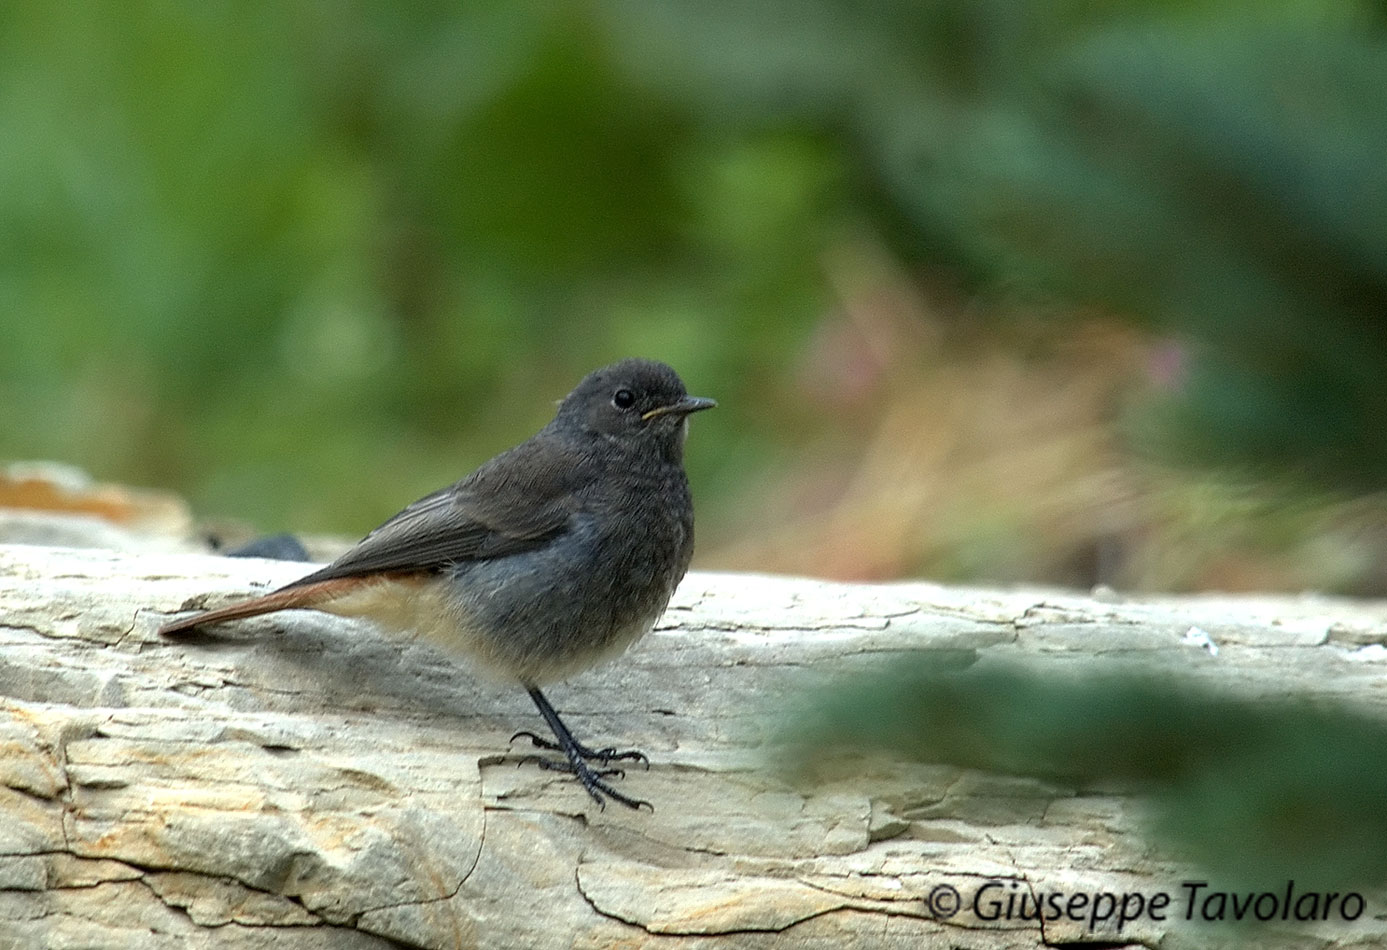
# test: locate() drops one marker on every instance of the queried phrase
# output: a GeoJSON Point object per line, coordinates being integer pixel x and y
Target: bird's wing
{"type": "Point", "coordinates": [516, 502]}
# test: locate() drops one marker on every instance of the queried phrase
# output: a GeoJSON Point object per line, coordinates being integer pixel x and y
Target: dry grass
{"type": "Point", "coordinates": [968, 454]}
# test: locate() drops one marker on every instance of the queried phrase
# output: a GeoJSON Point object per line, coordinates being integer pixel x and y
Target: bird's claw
{"type": "Point", "coordinates": [602, 756]}
{"type": "Point", "coordinates": [572, 769]}
{"type": "Point", "coordinates": [593, 779]}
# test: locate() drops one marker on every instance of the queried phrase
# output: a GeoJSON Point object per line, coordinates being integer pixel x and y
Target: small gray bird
{"type": "Point", "coordinates": [551, 557]}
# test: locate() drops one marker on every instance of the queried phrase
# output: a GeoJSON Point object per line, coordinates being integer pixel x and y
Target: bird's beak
{"type": "Point", "coordinates": [683, 407]}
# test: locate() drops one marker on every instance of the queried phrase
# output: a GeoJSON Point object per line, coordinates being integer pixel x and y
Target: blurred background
{"type": "Point", "coordinates": [1074, 293]}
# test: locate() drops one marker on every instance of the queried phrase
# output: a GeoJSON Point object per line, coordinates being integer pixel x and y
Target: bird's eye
{"type": "Point", "coordinates": [623, 399]}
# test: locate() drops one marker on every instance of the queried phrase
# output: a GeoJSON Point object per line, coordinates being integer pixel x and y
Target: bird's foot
{"type": "Point", "coordinates": [577, 756]}
{"type": "Point", "coordinates": [601, 756]}
{"type": "Point", "coordinates": [593, 781]}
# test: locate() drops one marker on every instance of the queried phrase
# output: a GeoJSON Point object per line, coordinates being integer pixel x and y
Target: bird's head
{"type": "Point", "coordinates": [635, 402]}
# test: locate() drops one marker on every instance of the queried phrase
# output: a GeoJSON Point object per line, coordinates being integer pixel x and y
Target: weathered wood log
{"type": "Point", "coordinates": [301, 781]}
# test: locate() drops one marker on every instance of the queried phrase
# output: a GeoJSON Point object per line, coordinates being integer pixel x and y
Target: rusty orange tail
{"type": "Point", "coordinates": [307, 596]}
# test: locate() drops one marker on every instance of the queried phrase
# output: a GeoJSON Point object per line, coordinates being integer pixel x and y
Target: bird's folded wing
{"type": "Point", "coordinates": [496, 511]}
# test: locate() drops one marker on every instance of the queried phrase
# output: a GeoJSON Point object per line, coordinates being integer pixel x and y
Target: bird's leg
{"type": "Point", "coordinates": [601, 756]}
{"type": "Point", "coordinates": [578, 756]}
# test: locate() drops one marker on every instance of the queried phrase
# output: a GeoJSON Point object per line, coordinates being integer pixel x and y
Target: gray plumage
{"type": "Point", "coordinates": [550, 557]}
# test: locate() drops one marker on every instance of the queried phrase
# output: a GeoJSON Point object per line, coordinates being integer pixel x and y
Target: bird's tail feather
{"type": "Point", "coordinates": [309, 595]}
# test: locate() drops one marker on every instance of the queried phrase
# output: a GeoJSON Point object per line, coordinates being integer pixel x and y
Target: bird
{"type": "Point", "coordinates": [548, 559]}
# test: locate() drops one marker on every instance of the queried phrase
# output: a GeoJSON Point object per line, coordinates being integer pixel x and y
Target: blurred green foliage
{"type": "Point", "coordinates": [1215, 169]}
{"type": "Point", "coordinates": [1257, 790]}
{"type": "Point", "coordinates": [305, 261]}
{"type": "Point", "coordinates": [291, 257]}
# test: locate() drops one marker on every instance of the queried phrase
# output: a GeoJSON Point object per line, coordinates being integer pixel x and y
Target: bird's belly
{"type": "Point", "coordinates": [535, 618]}
{"type": "Point", "coordinates": [540, 619]}
{"type": "Point", "coordinates": [410, 607]}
